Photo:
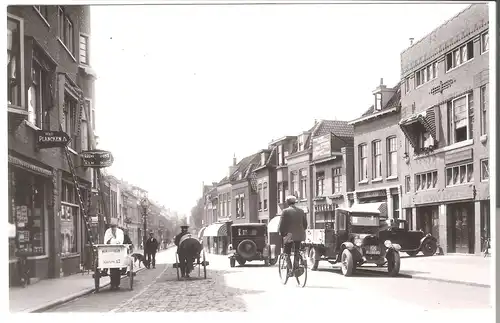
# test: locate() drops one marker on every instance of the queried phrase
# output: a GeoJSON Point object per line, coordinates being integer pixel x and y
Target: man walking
{"type": "Point", "coordinates": [114, 235]}
{"type": "Point", "coordinates": [293, 230]}
{"type": "Point", "coordinates": [151, 248]}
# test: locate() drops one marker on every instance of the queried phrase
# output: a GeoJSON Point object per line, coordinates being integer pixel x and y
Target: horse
{"type": "Point", "coordinates": [189, 252]}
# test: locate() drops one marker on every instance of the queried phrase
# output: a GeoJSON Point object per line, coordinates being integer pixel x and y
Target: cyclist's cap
{"type": "Point", "coordinates": [291, 199]}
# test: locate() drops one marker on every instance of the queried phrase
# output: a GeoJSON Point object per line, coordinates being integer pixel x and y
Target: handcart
{"type": "Point", "coordinates": [199, 259]}
{"type": "Point", "coordinates": [108, 256]}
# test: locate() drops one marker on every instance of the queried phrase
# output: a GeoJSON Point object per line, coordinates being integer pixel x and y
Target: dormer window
{"type": "Point", "coordinates": [300, 143]}
{"type": "Point", "coordinates": [378, 101]}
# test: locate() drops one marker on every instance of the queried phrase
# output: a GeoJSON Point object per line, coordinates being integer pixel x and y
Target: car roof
{"type": "Point", "coordinates": [248, 225]}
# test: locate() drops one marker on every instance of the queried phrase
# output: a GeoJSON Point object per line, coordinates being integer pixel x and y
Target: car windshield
{"type": "Point", "coordinates": [364, 223]}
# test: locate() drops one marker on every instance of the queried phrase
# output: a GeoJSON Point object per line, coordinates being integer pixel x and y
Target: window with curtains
{"type": "Point", "coordinates": [14, 56]}
{"type": "Point", "coordinates": [37, 112]}
{"type": "Point", "coordinates": [84, 49]}
{"type": "Point", "coordinates": [280, 193]}
{"type": "Point", "coordinates": [363, 163]}
{"type": "Point", "coordinates": [485, 43]}
{"type": "Point", "coordinates": [484, 108]}
{"type": "Point", "coordinates": [460, 174]}
{"type": "Point", "coordinates": [460, 55]}
{"type": "Point", "coordinates": [337, 179]}
{"type": "Point", "coordinates": [392, 157]}
{"type": "Point", "coordinates": [228, 199]}
{"type": "Point", "coordinates": [320, 183]}
{"type": "Point", "coordinates": [303, 184]}
{"type": "Point", "coordinates": [264, 195]}
{"type": "Point", "coordinates": [66, 30]}
{"type": "Point", "coordinates": [70, 118]}
{"type": "Point", "coordinates": [259, 196]}
{"type": "Point", "coordinates": [461, 117]}
{"type": "Point", "coordinates": [242, 205]}
{"type": "Point", "coordinates": [237, 204]}
{"type": "Point", "coordinates": [295, 183]}
{"type": "Point", "coordinates": [377, 160]}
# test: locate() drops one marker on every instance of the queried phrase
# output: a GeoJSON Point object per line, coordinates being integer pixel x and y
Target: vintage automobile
{"type": "Point", "coordinates": [411, 242]}
{"type": "Point", "coordinates": [353, 241]}
{"type": "Point", "coordinates": [249, 242]}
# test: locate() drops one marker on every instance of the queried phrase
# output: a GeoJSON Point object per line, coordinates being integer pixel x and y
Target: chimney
{"type": "Point", "coordinates": [411, 41]}
{"type": "Point", "coordinates": [234, 160]}
{"type": "Point", "coordinates": [233, 167]}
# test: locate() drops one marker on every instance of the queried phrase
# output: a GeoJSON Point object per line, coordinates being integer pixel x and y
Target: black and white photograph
{"type": "Point", "coordinates": [285, 158]}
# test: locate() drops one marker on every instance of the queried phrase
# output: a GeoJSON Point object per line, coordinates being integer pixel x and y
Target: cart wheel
{"type": "Point", "coordinates": [97, 276]}
{"type": "Point", "coordinates": [131, 273]}
{"type": "Point", "coordinates": [204, 266]}
{"type": "Point", "coordinates": [199, 266]}
{"type": "Point", "coordinates": [177, 266]}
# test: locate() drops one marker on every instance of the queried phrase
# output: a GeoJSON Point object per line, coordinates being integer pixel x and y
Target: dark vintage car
{"type": "Point", "coordinates": [355, 241]}
{"type": "Point", "coordinates": [249, 242]}
{"type": "Point", "coordinates": [411, 242]}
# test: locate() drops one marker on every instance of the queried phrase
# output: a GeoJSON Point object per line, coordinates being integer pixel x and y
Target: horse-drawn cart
{"type": "Point", "coordinates": [192, 249]}
{"type": "Point", "coordinates": [111, 256]}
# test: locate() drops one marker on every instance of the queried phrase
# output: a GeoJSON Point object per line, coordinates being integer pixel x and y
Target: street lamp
{"type": "Point", "coordinates": [145, 208]}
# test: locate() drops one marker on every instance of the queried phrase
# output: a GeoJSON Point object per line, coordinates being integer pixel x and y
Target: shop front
{"type": "Point", "coordinates": [218, 237]}
{"type": "Point", "coordinates": [30, 202]}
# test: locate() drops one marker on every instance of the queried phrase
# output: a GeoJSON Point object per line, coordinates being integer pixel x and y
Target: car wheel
{"type": "Point", "coordinates": [393, 263]}
{"type": "Point", "coordinates": [232, 262]}
{"type": "Point", "coordinates": [429, 248]}
{"type": "Point", "coordinates": [347, 263]}
{"type": "Point", "coordinates": [312, 263]}
{"type": "Point", "coordinates": [273, 262]}
{"type": "Point", "coordinates": [241, 262]}
{"type": "Point", "coordinates": [412, 253]}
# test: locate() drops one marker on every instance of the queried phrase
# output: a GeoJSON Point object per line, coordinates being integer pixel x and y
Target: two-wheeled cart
{"type": "Point", "coordinates": [111, 256]}
{"type": "Point", "coordinates": [199, 259]}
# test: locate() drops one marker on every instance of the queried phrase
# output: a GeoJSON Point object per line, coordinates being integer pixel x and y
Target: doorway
{"type": "Point", "coordinates": [461, 228]}
{"type": "Point", "coordinates": [428, 220]}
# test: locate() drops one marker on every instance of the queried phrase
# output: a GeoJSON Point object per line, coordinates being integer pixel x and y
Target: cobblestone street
{"type": "Point", "coordinates": [255, 288]}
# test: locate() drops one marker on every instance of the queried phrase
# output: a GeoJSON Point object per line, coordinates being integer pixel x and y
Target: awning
{"type": "Point", "coordinates": [419, 123]}
{"type": "Point", "coordinates": [200, 234]}
{"type": "Point", "coordinates": [216, 230]}
{"type": "Point", "coordinates": [274, 224]}
{"type": "Point", "coordinates": [374, 208]}
{"type": "Point", "coordinates": [28, 166]}
{"type": "Point", "coordinates": [12, 230]}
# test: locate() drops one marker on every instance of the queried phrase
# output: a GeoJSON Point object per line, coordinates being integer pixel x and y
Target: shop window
{"type": "Point", "coordinates": [426, 181]}
{"type": "Point", "coordinates": [70, 212]}
{"type": "Point", "coordinates": [320, 183]}
{"type": "Point", "coordinates": [28, 208]}
{"type": "Point", "coordinates": [460, 174]}
{"type": "Point", "coordinates": [485, 170]}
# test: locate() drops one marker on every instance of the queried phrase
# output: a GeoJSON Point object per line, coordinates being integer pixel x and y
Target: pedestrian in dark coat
{"type": "Point", "coordinates": [151, 248]}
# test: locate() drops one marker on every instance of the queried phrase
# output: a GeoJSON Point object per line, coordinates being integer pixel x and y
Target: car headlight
{"type": "Point", "coordinates": [388, 243]}
{"type": "Point", "coordinates": [230, 247]}
{"type": "Point", "coordinates": [358, 242]}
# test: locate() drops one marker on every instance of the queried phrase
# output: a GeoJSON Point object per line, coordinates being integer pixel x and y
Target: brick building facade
{"type": "Point", "coordinates": [444, 118]}
{"type": "Point", "coordinates": [50, 86]}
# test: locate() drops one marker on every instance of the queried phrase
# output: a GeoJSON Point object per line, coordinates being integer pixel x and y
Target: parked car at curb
{"type": "Point", "coordinates": [353, 242]}
{"type": "Point", "coordinates": [249, 242]}
{"type": "Point", "coordinates": [411, 242]}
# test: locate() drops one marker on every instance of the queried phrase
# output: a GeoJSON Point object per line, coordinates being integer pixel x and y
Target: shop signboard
{"type": "Point", "coordinates": [51, 139]}
{"type": "Point", "coordinates": [97, 158]}
{"type": "Point", "coordinates": [322, 146]}
{"type": "Point", "coordinates": [112, 256]}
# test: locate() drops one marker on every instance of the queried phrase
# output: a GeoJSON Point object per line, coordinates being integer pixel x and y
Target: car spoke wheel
{"type": "Point", "coordinates": [429, 248]}
{"type": "Point", "coordinates": [347, 263]}
{"type": "Point", "coordinates": [312, 263]}
{"type": "Point", "coordinates": [393, 263]}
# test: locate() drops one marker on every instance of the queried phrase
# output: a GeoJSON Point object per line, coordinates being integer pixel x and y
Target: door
{"type": "Point", "coordinates": [461, 225]}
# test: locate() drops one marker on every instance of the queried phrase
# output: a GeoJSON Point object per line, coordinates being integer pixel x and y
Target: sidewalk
{"type": "Point", "coordinates": [50, 292]}
{"type": "Point", "coordinates": [462, 269]}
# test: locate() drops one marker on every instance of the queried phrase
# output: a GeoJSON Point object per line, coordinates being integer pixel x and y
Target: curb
{"type": "Point", "coordinates": [74, 296]}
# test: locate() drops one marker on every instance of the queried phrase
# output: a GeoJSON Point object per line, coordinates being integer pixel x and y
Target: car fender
{"type": "Point", "coordinates": [426, 237]}
{"type": "Point", "coordinates": [347, 245]}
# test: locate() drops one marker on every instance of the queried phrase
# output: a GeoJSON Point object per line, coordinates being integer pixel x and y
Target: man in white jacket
{"type": "Point", "coordinates": [114, 235]}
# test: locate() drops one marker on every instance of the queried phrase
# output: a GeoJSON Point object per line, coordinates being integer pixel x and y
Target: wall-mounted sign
{"type": "Point", "coordinates": [369, 194]}
{"type": "Point", "coordinates": [51, 139]}
{"type": "Point", "coordinates": [322, 146]}
{"type": "Point", "coordinates": [97, 158]}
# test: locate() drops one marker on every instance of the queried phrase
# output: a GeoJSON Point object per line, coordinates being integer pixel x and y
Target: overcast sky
{"type": "Point", "coordinates": [181, 89]}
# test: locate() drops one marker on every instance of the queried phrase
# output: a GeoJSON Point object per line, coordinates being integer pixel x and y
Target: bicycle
{"type": "Point", "coordinates": [300, 272]}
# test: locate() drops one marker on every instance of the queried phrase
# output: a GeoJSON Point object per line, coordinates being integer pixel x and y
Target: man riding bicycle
{"type": "Point", "coordinates": [293, 230]}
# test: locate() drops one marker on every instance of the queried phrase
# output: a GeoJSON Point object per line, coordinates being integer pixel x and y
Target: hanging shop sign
{"type": "Point", "coordinates": [97, 158]}
{"type": "Point", "coordinates": [51, 139]}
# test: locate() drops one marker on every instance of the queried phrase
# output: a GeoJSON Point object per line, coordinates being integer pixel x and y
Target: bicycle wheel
{"type": "Point", "coordinates": [301, 272]}
{"type": "Point", "coordinates": [283, 268]}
